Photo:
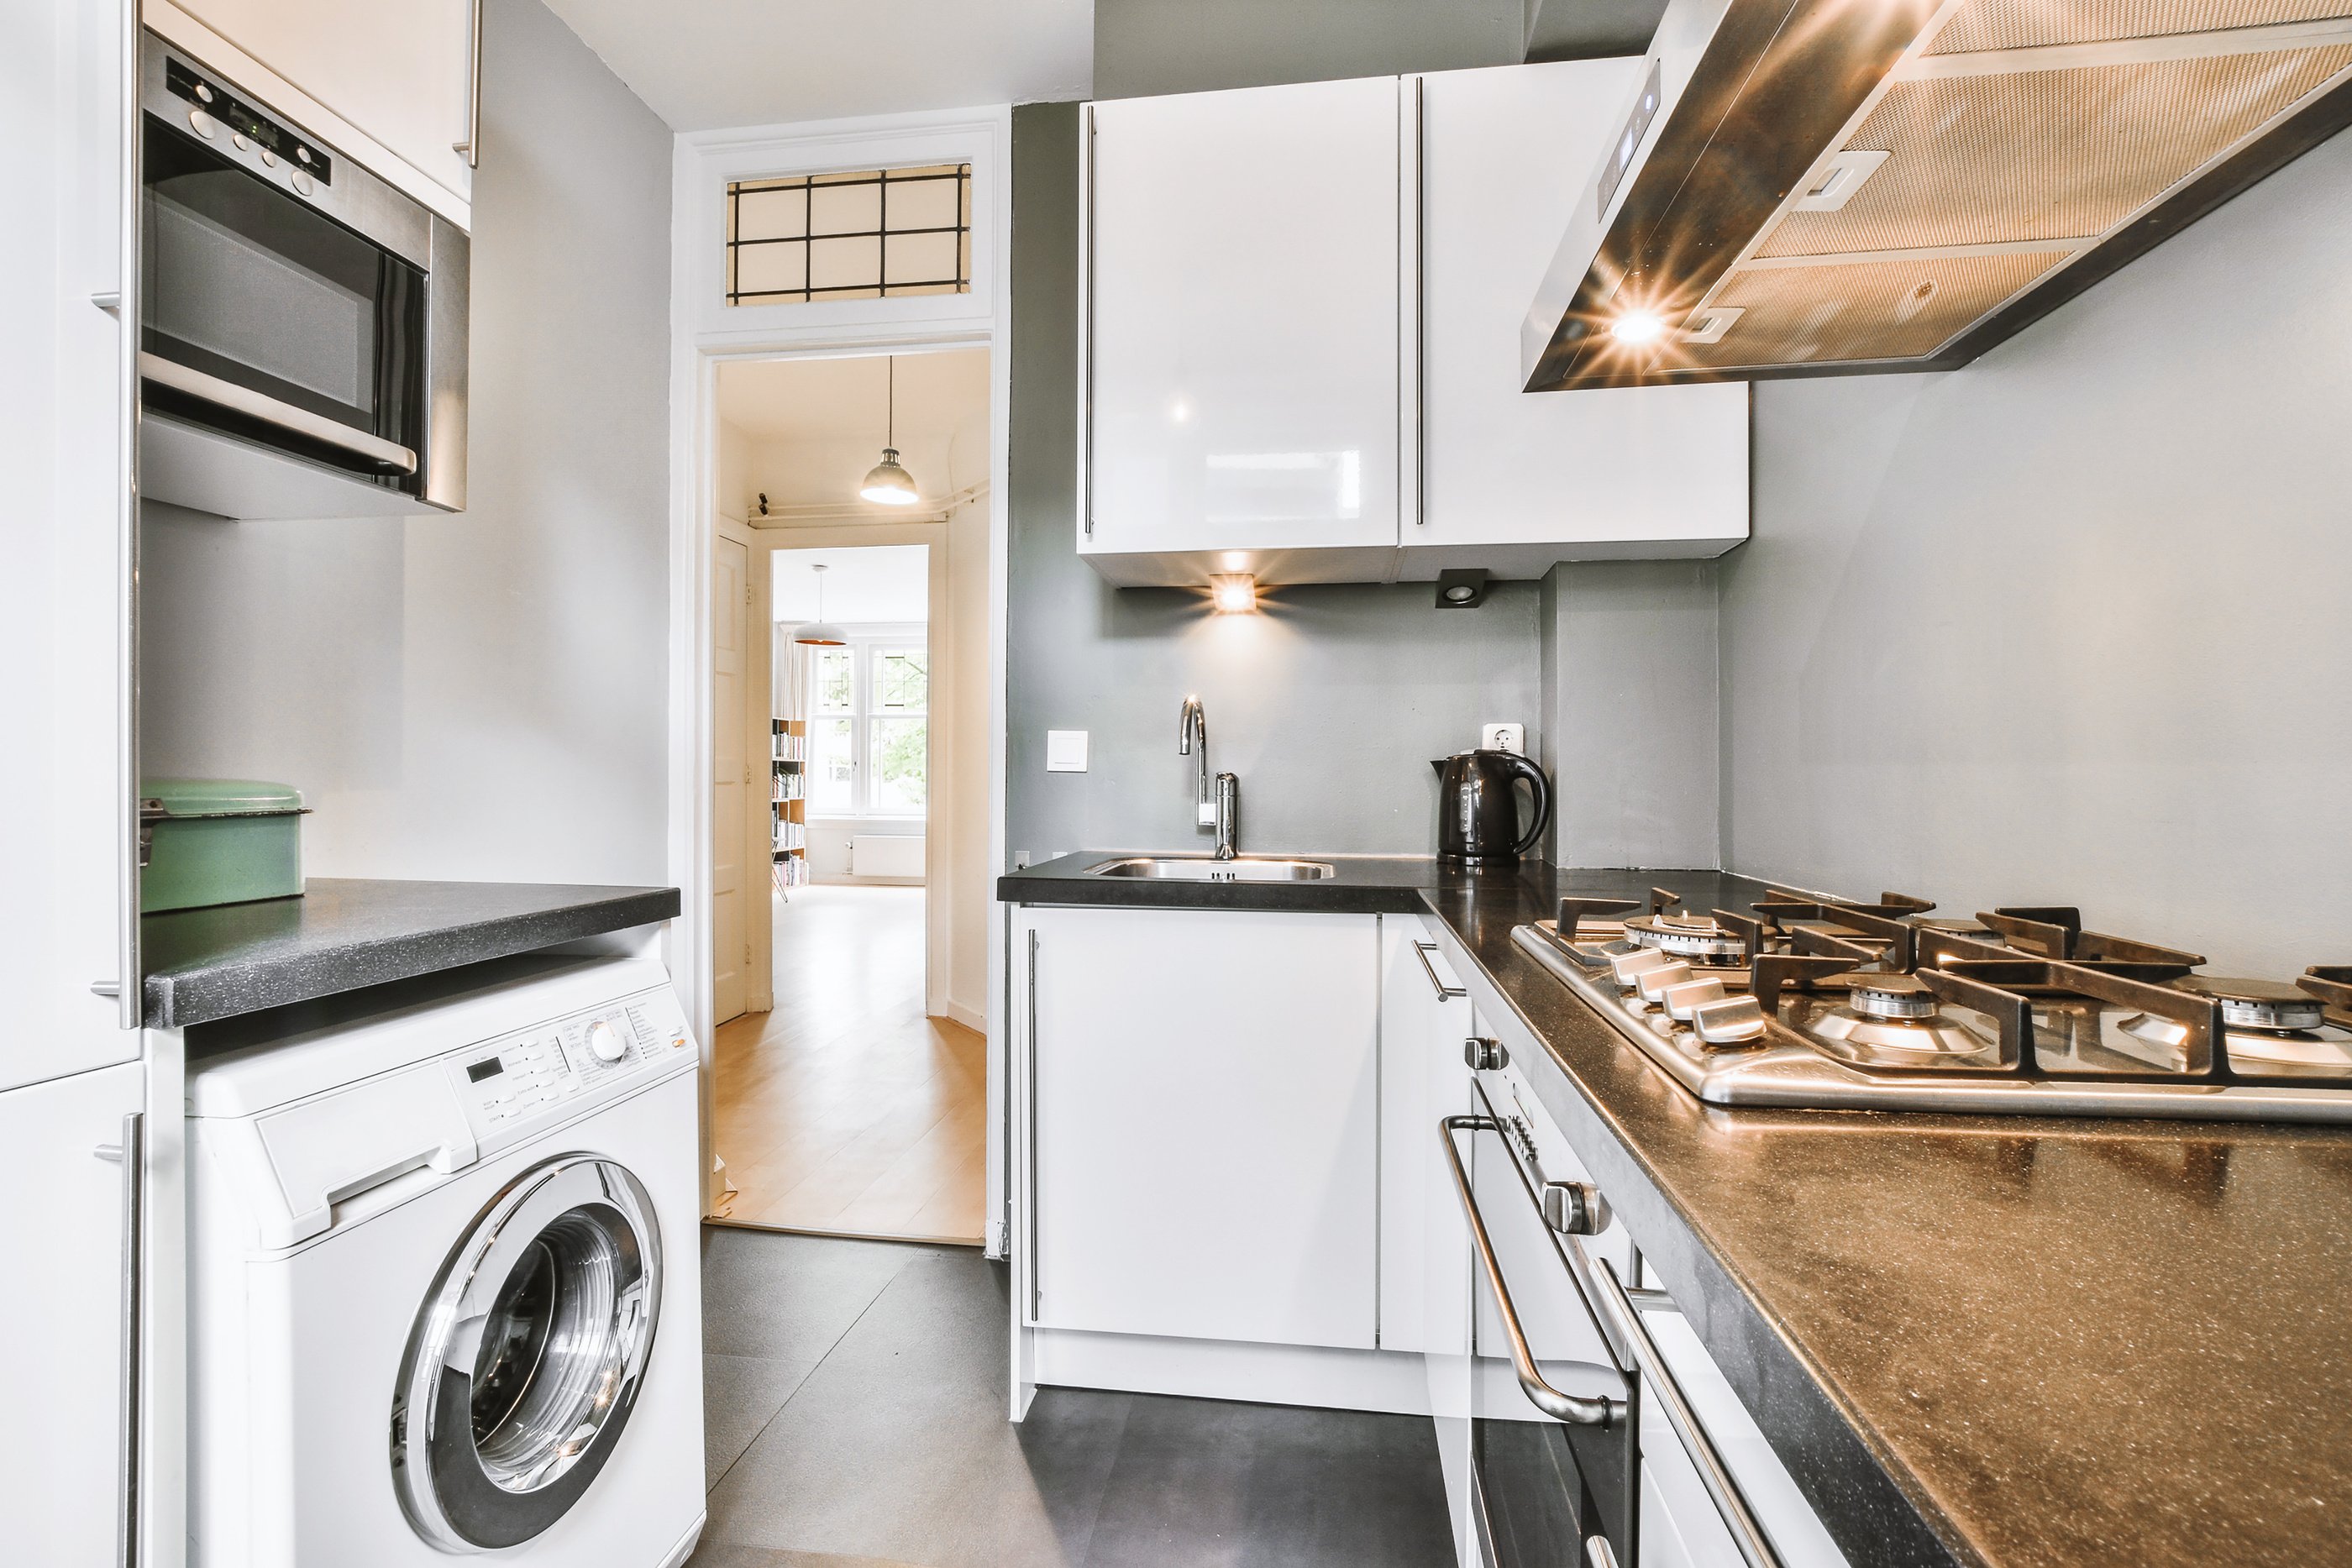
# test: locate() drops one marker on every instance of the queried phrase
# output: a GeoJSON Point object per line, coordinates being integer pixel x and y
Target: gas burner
{"type": "Point", "coordinates": [1700, 938]}
{"type": "Point", "coordinates": [2264, 1007]}
{"type": "Point", "coordinates": [2268, 1028]}
{"type": "Point", "coordinates": [1892, 1020]}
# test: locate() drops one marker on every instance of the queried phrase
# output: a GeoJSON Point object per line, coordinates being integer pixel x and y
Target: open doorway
{"type": "Point", "coordinates": [849, 1082]}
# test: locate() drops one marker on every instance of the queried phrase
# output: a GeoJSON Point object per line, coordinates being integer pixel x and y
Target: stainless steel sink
{"type": "Point", "coordinates": [1202, 867]}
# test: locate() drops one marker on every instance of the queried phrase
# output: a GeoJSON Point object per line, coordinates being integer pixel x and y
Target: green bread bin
{"type": "Point", "coordinates": [203, 841]}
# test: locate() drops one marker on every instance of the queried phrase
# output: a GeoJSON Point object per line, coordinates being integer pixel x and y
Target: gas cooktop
{"type": "Point", "coordinates": [1810, 1001]}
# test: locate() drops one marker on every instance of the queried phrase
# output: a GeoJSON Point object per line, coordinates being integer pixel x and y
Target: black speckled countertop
{"type": "Point", "coordinates": [204, 965]}
{"type": "Point", "coordinates": [1976, 1340]}
{"type": "Point", "coordinates": [1359, 885]}
{"type": "Point", "coordinates": [2000, 1341]}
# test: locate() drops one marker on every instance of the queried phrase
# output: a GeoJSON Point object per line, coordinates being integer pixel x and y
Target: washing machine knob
{"type": "Point", "coordinates": [605, 1041]}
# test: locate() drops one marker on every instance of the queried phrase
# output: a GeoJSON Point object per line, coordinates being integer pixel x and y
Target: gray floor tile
{"type": "Point", "coordinates": [898, 1446]}
{"type": "Point", "coordinates": [741, 1393]}
{"type": "Point", "coordinates": [896, 1450]}
{"type": "Point", "coordinates": [789, 1298]}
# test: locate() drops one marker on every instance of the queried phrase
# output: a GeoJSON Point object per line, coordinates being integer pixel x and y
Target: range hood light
{"type": "Point", "coordinates": [1233, 594]}
{"type": "Point", "coordinates": [1636, 328]}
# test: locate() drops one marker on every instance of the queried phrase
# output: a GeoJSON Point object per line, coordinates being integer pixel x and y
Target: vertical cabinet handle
{"type": "Point", "coordinates": [471, 148]}
{"type": "Point", "coordinates": [131, 1153]}
{"type": "Point", "coordinates": [129, 993]}
{"type": "Point", "coordinates": [1085, 320]}
{"type": "Point", "coordinates": [1036, 1295]}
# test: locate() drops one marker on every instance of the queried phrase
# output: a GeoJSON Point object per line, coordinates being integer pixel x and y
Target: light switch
{"type": "Point", "coordinates": [1066, 751]}
{"type": "Point", "coordinates": [1504, 737]}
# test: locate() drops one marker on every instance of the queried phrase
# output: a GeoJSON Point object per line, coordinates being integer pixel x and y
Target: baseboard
{"type": "Point", "coordinates": [1383, 1380]}
{"type": "Point", "coordinates": [844, 879]}
{"type": "Point", "coordinates": [971, 1018]}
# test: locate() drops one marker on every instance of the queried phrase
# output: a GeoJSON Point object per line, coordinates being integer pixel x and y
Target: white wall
{"type": "Point", "coordinates": [2069, 626]}
{"type": "Point", "coordinates": [482, 695]}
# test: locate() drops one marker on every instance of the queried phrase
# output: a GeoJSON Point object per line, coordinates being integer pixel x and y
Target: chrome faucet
{"type": "Point", "coordinates": [1221, 811]}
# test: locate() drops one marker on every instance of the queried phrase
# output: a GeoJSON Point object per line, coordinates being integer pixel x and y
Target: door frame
{"type": "Point", "coordinates": [938, 645]}
{"type": "Point", "coordinates": [703, 331]}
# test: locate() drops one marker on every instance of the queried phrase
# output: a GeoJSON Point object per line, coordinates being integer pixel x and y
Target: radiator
{"type": "Point", "coordinates": [878, 854]}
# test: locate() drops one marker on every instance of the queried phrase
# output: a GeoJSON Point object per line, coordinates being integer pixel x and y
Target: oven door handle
{"type": "Point", "coordinates": [389, 456]}
{"type": "Point", "coordinates": [1577, 1409]}
{"type": "Point", "coordinates": [1755, 1547]}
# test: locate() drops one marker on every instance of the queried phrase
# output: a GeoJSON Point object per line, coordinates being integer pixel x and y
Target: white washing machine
{"type": "Point", "coordinates": [445, 1283]}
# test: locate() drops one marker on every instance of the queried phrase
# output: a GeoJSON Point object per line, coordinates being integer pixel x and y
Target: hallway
{"type": "Point", "coordinates": [845, 1111]}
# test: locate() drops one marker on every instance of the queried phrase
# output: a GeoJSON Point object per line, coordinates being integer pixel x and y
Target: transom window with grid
{"type": "Point", "coordinates": [872, 234]}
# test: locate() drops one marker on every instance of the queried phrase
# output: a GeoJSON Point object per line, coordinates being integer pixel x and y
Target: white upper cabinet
{"type": "Point", "coordinates": [1514, 481]}
{"type": "Point", "coordinates": [1241, 326]}
{"type": "Point", "coordinates": [1299, 340]}
{"type": "Point", "coordinates": [402, 76]}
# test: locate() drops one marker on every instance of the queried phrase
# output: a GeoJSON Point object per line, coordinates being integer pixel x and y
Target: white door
{"type": "Point", "coordinates": [1242, 320]}
{"type": "Point", "coordinates": [1507, 153]}
{"type": "Point", "coordinates": [1206, 1133]}
{"type": "Point", "coordinates": [733, 879]}
{"type": "Point", "coordinates": [402, 74]}
{"type": "Point", "coordinates": [61, 1322]}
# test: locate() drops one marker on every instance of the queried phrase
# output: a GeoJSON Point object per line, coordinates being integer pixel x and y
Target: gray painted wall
{"type": "Point", "coordinates": [2070, 624]}
{"type": "Point", "coordinates": [1328, 705]}
{"type": "Point", "coordinates": [1629, 731]}
{"type": "Point", "coordinates": [1146, 47]}
{"type": "Point", "coordinates": [481, 696]}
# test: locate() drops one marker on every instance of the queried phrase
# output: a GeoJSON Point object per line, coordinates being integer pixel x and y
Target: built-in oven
{"type": "Point", "coordinates": [1566, 1375]}
{"type": "Point", "coordinates": [302, 322]}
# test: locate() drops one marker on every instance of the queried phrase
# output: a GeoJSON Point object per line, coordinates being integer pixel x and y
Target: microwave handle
{"type": "Point", "coordinates": [389, 456]}
{"type": "Point", "coordinates": [1755, 1549]}
{"type": "Point", "coordinates": [1577, 1409]}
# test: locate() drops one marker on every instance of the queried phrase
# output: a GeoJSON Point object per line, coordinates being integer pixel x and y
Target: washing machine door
{"type": "Point", "coordinates": [527, 1356]}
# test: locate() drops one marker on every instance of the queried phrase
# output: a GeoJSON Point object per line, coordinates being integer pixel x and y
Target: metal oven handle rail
{"type": "Point", "coordinates": [1577, 1409]}
{"type": "Point", "coordinates": [1755, 1547]}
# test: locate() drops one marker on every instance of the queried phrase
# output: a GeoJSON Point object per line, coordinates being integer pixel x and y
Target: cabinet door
{"type": "Point", "coordinates": [402, 74]}
{"type": "Point", "coordinates": [1242, 320]}
{"type": "Point", "coordinates": [1506, 154]}
{"type": "Point", "coordinates": [1424, 1017]}
{"type": "Point", "coordinates": [61, 1339]}
{"type": "Point", "coordinates": [69, 919]}
{"type": "Point", "coordinates": [1204, 1123]}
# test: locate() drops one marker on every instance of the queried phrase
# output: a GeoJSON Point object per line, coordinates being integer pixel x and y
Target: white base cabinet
{"type": "Point", "coordinates": [62, 1409]}
{"type": "Point", "coordinates": [1200, 1123]}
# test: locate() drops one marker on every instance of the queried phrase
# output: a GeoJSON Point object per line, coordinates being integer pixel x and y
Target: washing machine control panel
{"type": "Point", "coordinates": [545, 1072]}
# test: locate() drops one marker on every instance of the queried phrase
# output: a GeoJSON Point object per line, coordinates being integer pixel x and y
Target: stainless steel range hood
{"type": "Point", "coordinates": [1821, 187]}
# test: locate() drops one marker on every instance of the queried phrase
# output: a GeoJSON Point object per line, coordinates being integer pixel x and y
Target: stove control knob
{"type": "Point", "coordinates": [1575, 1207]}
{"type": "Point", "coordinates": [202, 124]}
{"type": "Point", "coordinates": [605, 1041]}
{"type": "Point", "coordinates": [1629, 967]}
{"type": "Point", "coordinates": [1733, 1021]}
{"type": "Point", "coordinates": [1483, 1055]}
{"type": "Point", "coordinates": [1654, 983]}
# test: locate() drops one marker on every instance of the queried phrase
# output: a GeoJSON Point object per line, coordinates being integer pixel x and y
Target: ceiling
{"type": "Point", "coordinates": [819, 400]}
{"type": "Point", "coordinates": [719, 63]}
{"type": "Point", "coordinates": [863, 584]}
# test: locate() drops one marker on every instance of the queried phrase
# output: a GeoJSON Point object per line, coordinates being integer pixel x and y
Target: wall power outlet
{"type": "Point", "coordinates": [1504, 737]}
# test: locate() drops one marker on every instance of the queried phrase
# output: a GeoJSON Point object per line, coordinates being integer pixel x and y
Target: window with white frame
{"type": "Point", "coordinates": [875, 233]}
{"type": "Point", "coordinates": [869, 727]}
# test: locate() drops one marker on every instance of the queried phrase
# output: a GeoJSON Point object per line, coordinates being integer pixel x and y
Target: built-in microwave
{"type": "Point", "coordinates": [302, 322]}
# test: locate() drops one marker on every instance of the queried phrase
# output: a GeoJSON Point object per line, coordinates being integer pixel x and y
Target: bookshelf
{"type": "Point", "coordinates": [788, 801]}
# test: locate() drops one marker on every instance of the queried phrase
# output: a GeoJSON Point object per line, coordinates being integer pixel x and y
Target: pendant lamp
{"type": "Point", "coordinates": [820, 633]}
{"type": "Point", "coordinates": [887, 483]}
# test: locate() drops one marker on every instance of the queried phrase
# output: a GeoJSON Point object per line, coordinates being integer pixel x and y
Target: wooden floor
{"type": "Point", "coordinates": [845, 1111]}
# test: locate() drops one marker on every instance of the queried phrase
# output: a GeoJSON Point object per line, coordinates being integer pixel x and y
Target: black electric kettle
{"type": "Point", "coordinates": [1478, 812]}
